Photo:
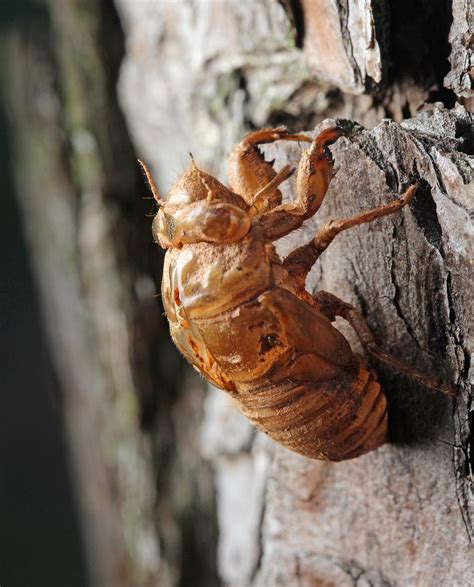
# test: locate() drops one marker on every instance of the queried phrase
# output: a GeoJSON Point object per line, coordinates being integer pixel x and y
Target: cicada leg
{"type": "Point", "coordinates": [248, 171]}
{"type": "Point", "coordinates": [331, 306]}
{"type": "Point", "coordinates": [300, 261]}
{"type": "Point", "coordinates": [315, 171]}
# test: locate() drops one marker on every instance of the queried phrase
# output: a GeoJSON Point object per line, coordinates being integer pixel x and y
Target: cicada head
{"type": "Point", "coordinates": [200, 209]}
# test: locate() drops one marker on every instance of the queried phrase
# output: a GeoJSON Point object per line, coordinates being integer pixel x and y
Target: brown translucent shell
{"type": "Point", "coordinates": [293, 374]}
{"type": "Point", "coordinates": [241, 319]}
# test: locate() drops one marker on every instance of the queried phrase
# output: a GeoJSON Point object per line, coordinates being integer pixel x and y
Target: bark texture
{"type": "Point", "coordinates": [195, 76]}
{"type": "Point", "coordinates": [340, 43]}
{"type": "Point", "coordinates": [403, 514]}
{"type": "Point", "coordinates": [461, 75]}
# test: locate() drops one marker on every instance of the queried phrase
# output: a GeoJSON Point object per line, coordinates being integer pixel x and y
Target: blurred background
{"type": "Point", "coordinates": [117, 466]}
{"type": "Point", "coordinates": [63, 496]}
{"type": "Point", "coordinates": [38, 510]}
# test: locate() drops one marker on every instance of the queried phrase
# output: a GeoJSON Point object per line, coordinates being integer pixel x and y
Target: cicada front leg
{"type": "Point", "coordinates": [331, 306]}
{"type": "Point", "coordinates": [315, 171]}
{"type": "Point", "coordinates": [249, 173]}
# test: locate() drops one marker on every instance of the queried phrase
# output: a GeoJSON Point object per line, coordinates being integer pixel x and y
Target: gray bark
{"type": "Point", "coordinates": [340, 43]}
{"type": "Point", "coordinates": [461, 75]}
{"type": "Point", "coordinates": [403, 514]}
{"type": "Point", "coordinates": [195, 76]}
{"type": "Point", "coordinates": [338, 524]}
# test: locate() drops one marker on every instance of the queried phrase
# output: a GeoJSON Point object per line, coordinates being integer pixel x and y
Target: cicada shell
{"type": "Point", "coordinates": [241, 315]}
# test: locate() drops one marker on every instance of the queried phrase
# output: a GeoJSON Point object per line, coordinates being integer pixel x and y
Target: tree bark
{"type": "Point", "coordinates": [159, 465]}
{"type": "Point", "coordinates": [320, 523]}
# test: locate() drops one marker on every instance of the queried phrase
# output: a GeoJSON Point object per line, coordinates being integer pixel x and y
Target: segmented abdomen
{"type": "Point", "coordinates": [330, 420]}
{"type": "Point", "coordinates": [292, 373]}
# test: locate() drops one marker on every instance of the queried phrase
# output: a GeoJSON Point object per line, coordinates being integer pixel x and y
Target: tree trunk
{"type": "Point", "coordinates": [195, 76]}
{"type": "Point", "coordinates": [318, 523]}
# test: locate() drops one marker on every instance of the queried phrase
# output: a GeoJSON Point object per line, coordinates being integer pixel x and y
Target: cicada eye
{"type": "Point", "coordinates": [163, 228]}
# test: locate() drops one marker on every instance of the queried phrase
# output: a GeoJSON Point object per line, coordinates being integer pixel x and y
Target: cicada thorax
{"type": "Point", "coordinates": [204, 281]}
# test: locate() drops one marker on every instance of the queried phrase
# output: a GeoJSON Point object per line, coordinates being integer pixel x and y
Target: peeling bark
{"type": "Point", "coordinates": [461, 36]}
{"type": "Point", "coordinates": [341, 44]}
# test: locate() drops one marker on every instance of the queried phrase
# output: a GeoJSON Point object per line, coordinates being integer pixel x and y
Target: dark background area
{"type": "Point", "coordinates": [39, 533]}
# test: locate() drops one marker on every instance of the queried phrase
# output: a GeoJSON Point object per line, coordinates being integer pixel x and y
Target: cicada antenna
{"type": "Point", "coordinates": [154, 190]}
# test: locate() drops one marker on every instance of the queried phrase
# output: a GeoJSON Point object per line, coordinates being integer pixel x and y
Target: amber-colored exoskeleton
{"type": "Point", "coordinates": [241, 315]}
